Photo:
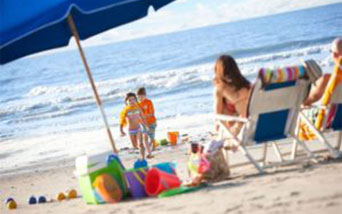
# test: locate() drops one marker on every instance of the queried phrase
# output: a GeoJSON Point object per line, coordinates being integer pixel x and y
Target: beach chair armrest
{"type": "Point", "coordinates": [230, 118]}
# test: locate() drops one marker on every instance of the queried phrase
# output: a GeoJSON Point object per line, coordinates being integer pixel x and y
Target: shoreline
{"type": "Point", "coordinates": [38, 151]}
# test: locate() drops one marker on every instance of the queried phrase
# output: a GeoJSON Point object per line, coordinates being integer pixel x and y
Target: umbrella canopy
{"type": "Point", "coordinates": [28, 27]}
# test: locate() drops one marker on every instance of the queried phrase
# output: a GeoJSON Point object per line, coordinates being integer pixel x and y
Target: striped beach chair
{"type": "Point", "coordinates": [273, 108]}
{"type": "Point", "coordinates": [329, 116]}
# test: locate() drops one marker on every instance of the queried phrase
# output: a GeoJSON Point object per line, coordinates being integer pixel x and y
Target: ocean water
{"type": "Point", "coordinates": [47, 109]}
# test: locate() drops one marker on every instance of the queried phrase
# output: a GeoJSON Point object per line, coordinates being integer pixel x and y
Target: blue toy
{"type": "Point", "coordinates": [140, 164]}
{"type": "Point", "coordinates": [41, 199]}
{"type": "Point", "coordinates": [32, 200]}
{"type": "Point", "coordinates": [8, 200]}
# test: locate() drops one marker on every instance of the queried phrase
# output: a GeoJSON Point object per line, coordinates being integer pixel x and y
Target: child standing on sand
{"type": "Point", "coordinates": [133, 115]}
{"type": "Point", "coordinates": [147, 107]}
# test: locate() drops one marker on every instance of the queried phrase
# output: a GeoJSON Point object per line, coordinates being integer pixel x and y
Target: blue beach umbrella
{"type": "Point", "coordinates": [32, 26]}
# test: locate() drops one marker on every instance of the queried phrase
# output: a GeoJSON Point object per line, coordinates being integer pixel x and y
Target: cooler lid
{"type": "Point", "coordinates": [88, 164]}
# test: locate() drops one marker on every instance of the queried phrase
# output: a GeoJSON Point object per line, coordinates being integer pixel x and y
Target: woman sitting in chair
{"type": "Point", "coordinates": [231, 91]}
{"type": "Point", "coordinates": [318, 89]}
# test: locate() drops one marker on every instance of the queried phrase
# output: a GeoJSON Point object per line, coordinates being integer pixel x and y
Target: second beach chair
{"type": "Point", "coordinates": [272, 112]}
{"type": "Point", "coordinates": [328, 118]}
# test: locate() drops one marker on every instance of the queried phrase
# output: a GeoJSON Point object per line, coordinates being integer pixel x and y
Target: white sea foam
{"type": "Point", "coordinates": [62, 99]}
{"type": "Point", "coordinates": [48, 149]}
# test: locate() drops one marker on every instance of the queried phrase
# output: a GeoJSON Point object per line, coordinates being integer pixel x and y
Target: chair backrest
{"type": "Point", "coordinates": [274, 106]}
{"type": "Point", "coordinates": [336, 100]}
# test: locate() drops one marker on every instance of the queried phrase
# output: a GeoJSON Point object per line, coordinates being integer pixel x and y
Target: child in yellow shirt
{"type": "Point", "coordinates": [132, 116]}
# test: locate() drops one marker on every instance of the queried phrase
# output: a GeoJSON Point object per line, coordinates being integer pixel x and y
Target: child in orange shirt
{"type": "Point", "coordinates": [147, 107]}
{"type": "Point", "coordinates": [133, 116]}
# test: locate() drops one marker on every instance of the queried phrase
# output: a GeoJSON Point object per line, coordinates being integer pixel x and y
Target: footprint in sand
{"type": "Point", "coordinates": [294, 193]}
{"type": "Point", "coordinates": [257, 198]}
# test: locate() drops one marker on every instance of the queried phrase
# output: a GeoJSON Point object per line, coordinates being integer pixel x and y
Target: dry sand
{"type": "Point", "coordinates": [300, 188]}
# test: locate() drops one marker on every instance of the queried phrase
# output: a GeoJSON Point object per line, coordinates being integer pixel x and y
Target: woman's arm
{"type": "Point", "coordinates": [218, 102]}
{"type": "Point", "coordinates": [218, 107]}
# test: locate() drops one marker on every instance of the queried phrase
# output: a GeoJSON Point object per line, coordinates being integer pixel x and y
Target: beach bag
{"type": "Point", "coordinates": [219, 169]}
{"type": "Point", "coordinates": [208, 162]}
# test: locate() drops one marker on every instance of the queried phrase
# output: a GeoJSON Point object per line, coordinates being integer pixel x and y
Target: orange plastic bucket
{"type": "Point", "coordinates": [173, 137]}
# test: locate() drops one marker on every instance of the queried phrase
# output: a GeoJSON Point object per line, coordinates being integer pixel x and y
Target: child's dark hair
{"type": "Point", "coordinates": [130, 94]}
{"type": "Point", "coordinates": [141, 91]}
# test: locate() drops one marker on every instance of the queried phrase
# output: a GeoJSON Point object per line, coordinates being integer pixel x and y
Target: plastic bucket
{"type": "Point", "coordinates": [136, 182]}
{"type": "Point", "coordinates": [158, 181]}
{"type": "Point", "coordinates": [168, 167]}
{"type": "Point", "coordinates": [173, 137]}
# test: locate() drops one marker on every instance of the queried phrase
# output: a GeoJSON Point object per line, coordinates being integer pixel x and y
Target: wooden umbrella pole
{"type": "Point", "coordinates": [96, 95]}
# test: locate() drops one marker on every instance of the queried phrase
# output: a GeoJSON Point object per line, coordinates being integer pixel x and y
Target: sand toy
{"type": "Point", "coordinates": [11, 205]}
{"type": "Point", "coordinates": [41, 199]}
{"type": "Point", "coordinates": [60, 196]}
{"type": "Point", "coordinates": [179, 190]}
{"type": "Point", "coordinates": [71, 194]}
{"type": "Point", "coordinates": [168, 167]}
{"type": "Point", "coordinates": [140, 163]}
{"type": "Point", "coordinates": [88, 168]}
{"type": "Point", "coordinates": [107, 190]}
{"type": "Point", "coordinates": [158, 181]}
{"type": "Point", "coordinates": [136, 181]}
{"type": "Point", "coordinates": [173, 138]}
{"type": "Point", "coordinates": [32, 200]}
{"type": "Point", "coordinates": [8, 200]}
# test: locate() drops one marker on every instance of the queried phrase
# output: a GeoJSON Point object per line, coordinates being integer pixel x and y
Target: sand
{"type": "Point", "coordinates": [301, 188]}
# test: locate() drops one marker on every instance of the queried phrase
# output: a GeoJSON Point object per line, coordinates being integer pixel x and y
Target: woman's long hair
{"type": "Point", "coordinates": [228, 72]}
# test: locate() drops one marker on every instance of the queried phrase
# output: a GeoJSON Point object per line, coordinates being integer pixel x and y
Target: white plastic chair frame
{"type": "Point", "coordinates": [335, 152]}
{"type": "Point", "coordinates": [249, 127]}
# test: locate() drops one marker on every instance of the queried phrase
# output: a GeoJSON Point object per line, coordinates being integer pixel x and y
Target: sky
{"type": "Point", "coordinates": [187, 14]}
